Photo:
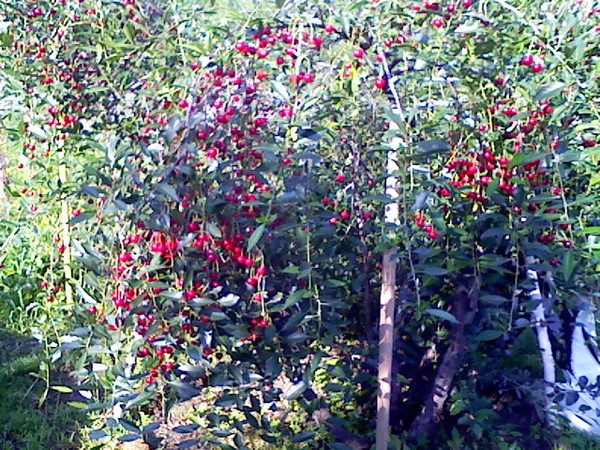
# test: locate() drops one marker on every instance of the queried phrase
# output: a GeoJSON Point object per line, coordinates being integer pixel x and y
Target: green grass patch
{"type": "Point", "coordinates": [24, 424]}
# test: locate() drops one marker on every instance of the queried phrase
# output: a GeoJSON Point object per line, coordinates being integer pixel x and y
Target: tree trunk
{"type": "Point", "coordinates": [465, 305]}
{"type": "Point", "coordinates": [539, 321]}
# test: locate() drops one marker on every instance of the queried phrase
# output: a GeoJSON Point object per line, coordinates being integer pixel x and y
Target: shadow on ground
{"type": "Point", "coordinates": [24, 424]}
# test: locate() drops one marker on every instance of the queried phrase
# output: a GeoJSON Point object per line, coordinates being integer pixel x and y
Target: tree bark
{"type": "Point", "coordinates": [539, 321]}
{"type": "Point", "coordinates": [465, 306]}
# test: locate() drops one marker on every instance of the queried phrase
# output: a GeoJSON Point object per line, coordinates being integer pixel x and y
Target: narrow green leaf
{"type": "Point", "coordinates": [524, 158]}
{"type": "Point", "coordinates": [62, 389]}
{"type": "Point", "coordinates": [256, 235]}
{"type": "Point", "coordinates": [549, 91]}
{"type": "Point", "coordinates": [441, 314]}
{"type": "Point", "coordinates": [489, 335]}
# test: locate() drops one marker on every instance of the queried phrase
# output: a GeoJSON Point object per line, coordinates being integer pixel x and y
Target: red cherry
{"type": "Point", "coordinates": [510, 112]}
{"type": "Point", "coordinates": [212, 153]}
{"type": "Point", "coordinates": [358, 53]}
{"type": "Point", "coordinates": [380, 83]}
{"type": "Point", "coordinates": [527, 60]}
{"type": "Point", "coordinates": [537, 67]}
{"type": "Point", "coordinates": [433, 234]}
{"type": "Point", "coordinates": [125, 257]}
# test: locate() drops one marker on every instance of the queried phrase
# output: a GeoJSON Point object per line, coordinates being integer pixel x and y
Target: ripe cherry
{"type": "Point", "coordinates": [380, 83]}
{"type": "Point", "coordinates": [527, 60]}
{"type": "Point", "coordinates": [537, 67]}
{"type": "Point", "coordinates": [510, 112]}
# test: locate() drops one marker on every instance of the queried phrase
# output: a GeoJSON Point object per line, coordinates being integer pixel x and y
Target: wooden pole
{"type": "Point", "coordinates": [387, 304]}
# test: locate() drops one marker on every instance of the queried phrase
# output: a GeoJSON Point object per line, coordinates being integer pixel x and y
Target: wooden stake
{"type": "Point", "coordinates": [387, 306]}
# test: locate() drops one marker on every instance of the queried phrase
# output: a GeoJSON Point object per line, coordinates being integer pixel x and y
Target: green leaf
{"type": "Point", "coordinates": [303, 437]}
{"type": "Point", "coordinates": [214, 230]}
{"type": "Point", "coordinates": [524, 158]}
{"type": "Point", "coordinates": [468, 27]}
{"type": "Point", "coordinates": [590, 230]}
{"type": "Point", "coordinates": [495, 300]}
{"type": "Point", "coordinates": [433, 146]}
{"type": "Point", "coordinates": [62, 389]}
{"type": "Point", "coordinates": [256, 235]}
{"type": "Point", "coordinates": [185, 391]}
{"type": "Point", "coordinates": [294, 298]}
{"type": "Point", "coordinates": [168, 190]}
{"type": "Point", "coordinates": [227, 400]}
{"type": "Point", "coordinates": [80, 218]}
{"type": "Point", "coordinates": [440, 313]}
{"type": "Point", "coordinates": [281, 90]}
{"type": "Point", "coordinates": [494, 232]}
{"type": "Point", "coordinates": [489, 335]}
{"type": "Point", "coordinates": [569, 263]}
{"type": "Point", "coordinates": [229, 300]}
{"type": "Point", "coordinates": [295, 390]}
{"type": "Point", "coordinates": [95, 435]}
{"type": "Point", "coordinates": [548, 91]}
{"type": "Point", "coordinates": [432, 271]}
{"type": "Point", "coordinates": [37, 131]}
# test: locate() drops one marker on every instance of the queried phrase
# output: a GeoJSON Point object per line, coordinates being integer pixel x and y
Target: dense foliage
{"type": "Point", "coordinates": [194, 209]}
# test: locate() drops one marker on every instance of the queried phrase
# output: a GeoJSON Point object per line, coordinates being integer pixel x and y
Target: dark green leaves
{"type": "Point", "coordinates": [489, 335]}
{"type": "Point", "coordinates": [442, 315]}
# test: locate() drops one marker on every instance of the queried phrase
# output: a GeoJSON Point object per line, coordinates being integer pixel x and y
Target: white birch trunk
{"type": "Point", "coordinates": [539, 321]}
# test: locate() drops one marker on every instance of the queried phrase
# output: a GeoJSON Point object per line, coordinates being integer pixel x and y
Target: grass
{"type": "Point", "coordinates": [24, 424]}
